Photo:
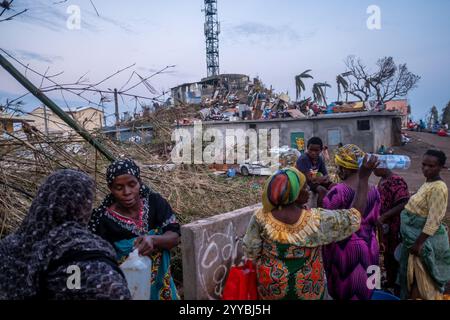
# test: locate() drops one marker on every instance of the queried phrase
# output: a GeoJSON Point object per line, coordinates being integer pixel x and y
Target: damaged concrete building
{"type": "Point", "coordinates": [369, 130]}
{"type": "Point", "coordinates": [196, 92]}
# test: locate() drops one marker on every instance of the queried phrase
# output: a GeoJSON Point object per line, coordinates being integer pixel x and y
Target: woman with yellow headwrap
{"type": "Point", "coordinates": [284, 239]}
{"type": "Point", "coordinates": [346, 262]}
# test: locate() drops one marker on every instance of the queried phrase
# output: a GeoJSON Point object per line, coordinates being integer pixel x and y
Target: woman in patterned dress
{"type": "Point", "coordinates": [394, 196]}
{"type": "Point", "coordinates": [135, 217]}
{"type": "Point", "coordinates": [347, 261]}
{"type": "Point", "coordinates": [284, 239]}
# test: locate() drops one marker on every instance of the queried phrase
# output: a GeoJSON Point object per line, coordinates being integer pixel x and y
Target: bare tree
{"type": "Point", "coordinates": [5, 6]}
{"type": "Point", "coordinates": [388, 82]}
{"type": "Point", "coordinates": [358, 76]}
{"type": "Point", "coordinates": [84, 90]}
{"type": "Point", "coordinates": [16, 104]}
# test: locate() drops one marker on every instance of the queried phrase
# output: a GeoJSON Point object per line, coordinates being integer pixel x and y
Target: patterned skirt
{"type": "Point", "coordinates": [289, 272]}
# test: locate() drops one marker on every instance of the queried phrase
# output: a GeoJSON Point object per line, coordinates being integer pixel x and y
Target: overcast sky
{"type": "Point", "coordinates": [274, 40]}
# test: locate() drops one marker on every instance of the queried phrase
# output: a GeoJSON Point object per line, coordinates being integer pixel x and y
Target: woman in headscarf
{"type": "Point", "coordinates": [132, 217]}
{"type": "Point", "coordinates": [53, 255]}
{"type": "Point", "coordinates": [284, 239]}
{"type": "Point", "coordinates": [425, 254]}
{"type": "Point", "coordinates": [347, 261]}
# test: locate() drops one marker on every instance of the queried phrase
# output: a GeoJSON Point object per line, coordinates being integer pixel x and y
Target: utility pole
{"type": "Point", "coordinates": [45, 120]}
{"type": "Point", "coordinates": [116, 102]}
{"type": "Point", "coordinates": [57, 110]}
{"type": "Point", "coordinates": [104, 114]}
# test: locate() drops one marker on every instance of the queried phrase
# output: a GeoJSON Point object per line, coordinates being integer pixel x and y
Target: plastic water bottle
{"type": "Point", "coordinates": [391, 161]}
{"type": "Point", "coordinates": [137, 270]}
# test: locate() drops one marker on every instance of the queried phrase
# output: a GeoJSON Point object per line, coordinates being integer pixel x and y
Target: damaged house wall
{"type": "Point", "coordinates": [188, 93]}
{"type": "Point", "coordinates": [369, 130]}
{"type": "Point", "coordinates": [193, 93]}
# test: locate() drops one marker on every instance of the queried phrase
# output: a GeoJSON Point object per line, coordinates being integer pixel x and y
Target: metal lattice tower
{"type": "Point", "coordinates": [212, 31]}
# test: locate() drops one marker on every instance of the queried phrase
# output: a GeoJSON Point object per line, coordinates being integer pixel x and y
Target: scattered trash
{"type": "Point", "coordinates": [235, 97]}
{"type": "Point", "coordinates": [256, 186]}
{"type": "Point", "coordinates": [231, 173]}
{"type": "Point", "coordinates": [163, 167]}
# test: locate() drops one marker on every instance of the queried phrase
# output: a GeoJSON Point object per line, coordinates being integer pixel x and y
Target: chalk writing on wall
{"type": "Point", "coordinates": [218, 252]}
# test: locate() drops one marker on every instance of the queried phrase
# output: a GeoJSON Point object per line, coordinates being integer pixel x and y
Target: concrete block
{"type": "Point", "coordinates": [209, 248]}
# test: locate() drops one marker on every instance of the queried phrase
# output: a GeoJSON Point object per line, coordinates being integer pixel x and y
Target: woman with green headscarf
{"type": "Point", "coordinates": [284, 238]}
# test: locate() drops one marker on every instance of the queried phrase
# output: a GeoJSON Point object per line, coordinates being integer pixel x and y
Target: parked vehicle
{"type": "Point", "coordinates": [287, 157]}
{"type": "Point", "coordinates": [257, 169]}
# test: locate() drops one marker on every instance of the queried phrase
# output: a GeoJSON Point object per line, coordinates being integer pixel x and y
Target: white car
{"type": "Point", "coordinates": [258, 169]}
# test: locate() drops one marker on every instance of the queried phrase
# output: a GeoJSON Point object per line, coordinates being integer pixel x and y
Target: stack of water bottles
{"type": "Point", "coordinates": [391, 161]}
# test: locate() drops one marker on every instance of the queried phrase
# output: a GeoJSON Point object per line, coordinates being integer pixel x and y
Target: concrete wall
{"type": "Point", "coordinates": [187, 93]}
{"type": "Point", "coordinates": [382, 133]}
{"type": "Point", "coordinates": [209, 248]}
{"type": "Point", "coordinates": [342, 126]}
{"type": "Point", "coordinates": [54, 123]}
{"type": "Point", "coordinates": [90, 119]}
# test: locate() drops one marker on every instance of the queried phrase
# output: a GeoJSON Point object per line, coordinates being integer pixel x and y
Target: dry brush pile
{"type": "Point", "coordinates": [194, 192]}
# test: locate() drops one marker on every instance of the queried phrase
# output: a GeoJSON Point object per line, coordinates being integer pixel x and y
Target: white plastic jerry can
{"type": "Point", "coordinates": [138, 272]}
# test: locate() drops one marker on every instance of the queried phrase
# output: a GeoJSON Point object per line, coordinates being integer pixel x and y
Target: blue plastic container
{"type": "Point", "coordinates": [231, 173]}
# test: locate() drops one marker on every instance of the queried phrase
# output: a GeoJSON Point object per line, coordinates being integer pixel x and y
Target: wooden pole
{"type": "Point", "coordinates": [45, 120]}
{"type": "Point", "coordinates": [116, 102]}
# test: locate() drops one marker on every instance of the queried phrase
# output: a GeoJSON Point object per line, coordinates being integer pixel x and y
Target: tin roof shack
{"type": "Point", "coordinates": [369, 130]}
{"type": "Point", "coordinates": [139, 134]}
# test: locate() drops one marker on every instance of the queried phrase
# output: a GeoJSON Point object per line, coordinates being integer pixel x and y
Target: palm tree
{"type": "Point", "coordinates": [341, 84]}
{"type": "Point", "coordinates": [318, 92]}
{"type": "Point", "coordinates": [325, 85]}
{"type": "Point", "coordinates": [446, 114]}
{"type": "Point", "coordinates": [433, 117]}
{"type": "Point", "coordinates": [299, 84]}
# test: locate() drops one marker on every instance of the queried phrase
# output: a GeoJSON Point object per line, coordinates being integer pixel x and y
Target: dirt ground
{"type": "Point", "coordinates": [420, 143]}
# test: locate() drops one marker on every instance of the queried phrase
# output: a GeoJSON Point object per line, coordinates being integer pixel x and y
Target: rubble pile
{"type": "Point", "coordinates": [254, 101]}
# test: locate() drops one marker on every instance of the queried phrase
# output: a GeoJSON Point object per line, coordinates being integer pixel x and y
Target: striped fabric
{"type": "Point", "coordinates": [282, 188]}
